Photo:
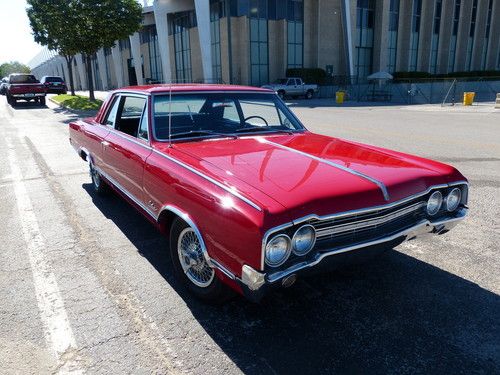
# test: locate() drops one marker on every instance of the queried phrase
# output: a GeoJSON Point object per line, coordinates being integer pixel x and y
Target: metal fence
{"type": "Point", "coordinates": [415, 91]}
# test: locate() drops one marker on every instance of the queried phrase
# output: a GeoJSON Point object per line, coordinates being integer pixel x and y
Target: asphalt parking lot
{"type": "Point", "coordinates": [429, 306]}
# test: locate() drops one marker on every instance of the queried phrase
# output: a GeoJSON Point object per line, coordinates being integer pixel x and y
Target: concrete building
{"type": "Point", "coordinates": [256, 41]}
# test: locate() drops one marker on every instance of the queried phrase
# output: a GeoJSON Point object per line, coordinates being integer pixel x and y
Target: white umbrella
{"type": "Point", "coordinates": [381, 76]}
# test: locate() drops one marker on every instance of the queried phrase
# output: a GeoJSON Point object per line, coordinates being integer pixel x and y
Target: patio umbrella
{"type": "Point", "coordinates": [380, 77]}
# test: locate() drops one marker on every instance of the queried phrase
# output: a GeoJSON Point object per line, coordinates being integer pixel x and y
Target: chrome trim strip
{"type": "Point", "coordinates": [278, 228]}
{"type": "Point", "coordinates": [380, 184]}
{"type": "Point", "coordinates": [271, 278]}
{"type": "Point", "coordinates": [228, 189]}
{"type": "Point", "coordinates": [356, 225]}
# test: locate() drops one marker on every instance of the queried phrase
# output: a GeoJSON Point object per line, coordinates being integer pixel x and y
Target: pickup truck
{"type": "Point", "coordinates": [24, 87]}
{"type": "Point", "coordinates": [292, 87]}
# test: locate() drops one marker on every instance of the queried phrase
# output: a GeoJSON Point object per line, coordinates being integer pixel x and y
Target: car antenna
{"type": "Point", "coordinates": [170, 115]}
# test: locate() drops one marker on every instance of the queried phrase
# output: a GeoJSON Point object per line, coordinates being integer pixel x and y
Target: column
{"type": "Point", "coordinates": [81, 71]}
{"type": "Point", "coordinates": [494, 42]}
{"type": "Point", "coordinates": [380, 40]}
{"type": "Point", "coordinates": [348, 40]}
{"type": "Point", "coordinates": [101, 60]}
{"type": "Point", "coordinates": [135, 50]}
{"type": "Point", "coordinates": [479, 33]}
{"type": "Point", "coordinates": [425, 37]}
{"type": "Point", "coordinates": [463, 35]}
{"type": "Point", "coordinates": [445, 35]}
{"type": "Point", "coordinates": [404, 31]}
{"type": "Point", "coordinates": [117, 62]}
{"type": "Point", "coordinates": [160, 13]}
{"type": "Point", "coordinates": [203, 18]}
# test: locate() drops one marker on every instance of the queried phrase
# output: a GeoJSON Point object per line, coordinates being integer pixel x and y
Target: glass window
{"type": "Point", "coordinates": [363, 57]}
{"type": "Point", "coordinates": [470, 42]}
{"type": "Point", "coordinates": [182, 22]}
{"type": "Point", "coordinates": [454, 33]}
{"type": "Point", "coordinates": [295, 26]}
{"type": "Point", "coordinates": [133, 107]}
{"type": "Point", "coordinates": [259, 62]}
{"type": "Point", "coordinates": [435, 36]}
{"type": "Point", "coordinates": [216, 13]}
{"type": "Point", "coordinates": [486, 36]}
{"type": "Point", "coordinates": [393, 34]}
{"type": "Point", "coordinates": [144, 125]}
{"type": "Point", "coordinates": [415, 34]}
{"type": "Point", "coordinates": [111, 117]}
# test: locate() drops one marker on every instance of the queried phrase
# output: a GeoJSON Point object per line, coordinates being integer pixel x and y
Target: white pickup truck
{"type": "Point", "coordinates": [292, 87]}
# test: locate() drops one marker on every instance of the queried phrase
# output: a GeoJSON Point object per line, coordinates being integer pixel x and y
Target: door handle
{"type": "Point", "coordinates": [105, 143]}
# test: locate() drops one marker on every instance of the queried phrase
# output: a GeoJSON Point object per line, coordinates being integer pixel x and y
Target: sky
{"type": "Point", "coordinates": [16, 41]}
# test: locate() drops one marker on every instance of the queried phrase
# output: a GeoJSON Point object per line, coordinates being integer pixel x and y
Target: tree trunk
{"type": "Point", "coordinates": [69, 62]}
{"type": "Point", "coordinates": [88, 64]}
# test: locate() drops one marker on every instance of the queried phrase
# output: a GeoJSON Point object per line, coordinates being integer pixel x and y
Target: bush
{"type": "Point", "coordinates": [308, 75]}
{"type": "Point", "coordinates": [474, 75]}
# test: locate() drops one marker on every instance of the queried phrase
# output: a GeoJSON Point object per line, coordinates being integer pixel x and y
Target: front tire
{"type": "Point", "coordinates": [191, 267]}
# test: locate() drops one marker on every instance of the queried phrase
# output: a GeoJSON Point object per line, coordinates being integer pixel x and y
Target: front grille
{"type": "Point", "coordinates": [361, 227]}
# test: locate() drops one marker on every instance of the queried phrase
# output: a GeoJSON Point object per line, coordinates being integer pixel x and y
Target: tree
{"type": "Point", "coordinates": [52, 22]}
{"type": "Point", "coordinates": [83, 26]}
{"type": "Point", "coordinates": [13, 67]}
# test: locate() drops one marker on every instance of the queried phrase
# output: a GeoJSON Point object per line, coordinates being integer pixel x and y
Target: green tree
{"type": "Point", "coordinates": [13, 67]}
{"type": "Point", "coordinates": [84, 26]}
{"type": "Point", "coordinates": [52, 22]}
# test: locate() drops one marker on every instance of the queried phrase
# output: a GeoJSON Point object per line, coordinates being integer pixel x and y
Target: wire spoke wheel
{"type": "Point", "coordinates": [192, 259]}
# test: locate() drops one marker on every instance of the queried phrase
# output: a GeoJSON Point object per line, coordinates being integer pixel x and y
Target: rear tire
{"type": "Point", "coordinates": [100, 186]}
{"type": "Point", "coordinates": [42, 101]}
{"type": "Point", "coordinates": [309, 94]}
{"type": "Point", "coordinates": [191, 267]}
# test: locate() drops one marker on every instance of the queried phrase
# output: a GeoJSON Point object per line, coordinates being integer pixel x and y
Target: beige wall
{"type": "Point", "coordinates": [277, 49]}
{"type": "Point", "coordinates": [196, 64]}
{"type": "Point", "coordinates": [330, 42]}
{"type": "Point", "coordinates": [241, 50]}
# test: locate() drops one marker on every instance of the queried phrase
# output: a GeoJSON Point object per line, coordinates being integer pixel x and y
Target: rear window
{"type": "Point", "coordinates": [53, 79]}
{"type": "Point", "coordinates": [23, 78]}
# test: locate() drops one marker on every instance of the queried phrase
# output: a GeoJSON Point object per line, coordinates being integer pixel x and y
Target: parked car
{"type": "Point", "coordinates": [54, 85]}
{"type": "Point", "coordinates": [3, 85]}
{"type": "Point", "coordinates": [293, 87]}
{"type": "Point", "coordinates": [249, 198]}
{"type": "Point", "coordinates": [24, 87]}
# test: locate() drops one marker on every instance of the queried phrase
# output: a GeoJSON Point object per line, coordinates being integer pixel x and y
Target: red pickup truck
{"type": "Point", "coordinates": [24, 87]}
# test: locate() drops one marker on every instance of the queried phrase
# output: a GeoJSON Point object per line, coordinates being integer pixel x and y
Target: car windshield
{"type": "Point", "coordinates": [53, 79]}
{"type": "Point", "coordinates": [221, 115]}
{"type": "Point", "coordinates": [23, 78]}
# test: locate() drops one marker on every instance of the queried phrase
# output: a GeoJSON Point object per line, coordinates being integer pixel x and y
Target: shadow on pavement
{"type": "Point", "coordinates": [27, 105]}
{"type": "Point", "coordinates": [395, 314]}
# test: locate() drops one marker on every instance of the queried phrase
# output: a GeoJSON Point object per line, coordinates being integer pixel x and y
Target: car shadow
{"type": "Point", "coordinates": [395, 314]}
{"type": "Point", "coordinates": [27, 105]}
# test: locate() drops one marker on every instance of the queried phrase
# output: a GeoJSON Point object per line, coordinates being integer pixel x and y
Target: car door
{"type": "Point", "coordinates": [95, 133]}
{"type": "Point", "coordinates": [126, 148]}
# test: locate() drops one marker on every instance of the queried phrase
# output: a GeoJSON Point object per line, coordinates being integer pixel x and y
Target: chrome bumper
{"type": "Point", "coordinates": [254, 280]}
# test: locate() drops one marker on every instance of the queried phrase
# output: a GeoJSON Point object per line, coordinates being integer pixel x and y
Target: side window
{"type": "Point", "coordinates": [129, 118]}
{"type": "Point", "coordinates": [290, 82]}
{"type": "Point", "coordinates": [143, 126]}
{"type": "Point", "coordinates": [111, 117]}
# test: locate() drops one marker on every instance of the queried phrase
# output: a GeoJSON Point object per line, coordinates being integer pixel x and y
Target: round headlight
{"type": "Point", "coordinates": [434, 203]}
{"type": "Point", "coordinates": [453, 199]}
{"type": "Point", "coordinates": [278, 250]}
{"type": "Point", "coordinates": [303, 240]}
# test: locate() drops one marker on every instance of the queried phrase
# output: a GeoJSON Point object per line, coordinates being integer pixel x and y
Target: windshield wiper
{"type": "Point", "coordinates": [262, 129]}
{"type": "Point", "coordinates": [194, 133]}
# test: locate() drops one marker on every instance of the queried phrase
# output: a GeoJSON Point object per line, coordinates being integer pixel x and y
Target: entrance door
{"type": "Point", "coordinates": [132, 77]}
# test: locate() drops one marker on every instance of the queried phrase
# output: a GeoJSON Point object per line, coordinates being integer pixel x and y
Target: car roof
{"type": "Point", "coordinates": [166, 88]}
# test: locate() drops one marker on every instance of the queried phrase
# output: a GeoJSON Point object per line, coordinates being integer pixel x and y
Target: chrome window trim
{"type": "Point", "coordinates": [273, 277]}
{"type": "Point", "coordinates": [380, 184]}
{"type": "Point", "coordinates": [281, 227]}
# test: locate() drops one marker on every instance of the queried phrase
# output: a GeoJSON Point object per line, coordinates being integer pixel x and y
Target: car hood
{"type": "Point", "coordinates": [308, 173]}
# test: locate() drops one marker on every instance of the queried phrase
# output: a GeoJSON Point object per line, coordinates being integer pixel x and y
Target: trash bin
{"type": "Point", "coordinates": [469, 98]}
{"type": "Point", "coordinates": [339, 97]}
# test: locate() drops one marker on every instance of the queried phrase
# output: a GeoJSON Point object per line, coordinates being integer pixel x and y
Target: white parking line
{"type": "Point", "coordinates": [58, 333]}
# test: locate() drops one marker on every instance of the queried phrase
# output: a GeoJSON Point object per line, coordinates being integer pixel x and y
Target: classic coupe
{"type": "Point", "coordinates": [248, 197]}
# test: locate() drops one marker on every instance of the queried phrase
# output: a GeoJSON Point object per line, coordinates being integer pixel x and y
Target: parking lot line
{"type": "Point", "coordinates": [57, 330]}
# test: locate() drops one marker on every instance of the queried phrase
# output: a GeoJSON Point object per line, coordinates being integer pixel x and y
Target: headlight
{"type": "Point", "coordinates": [278, 250]}
{"type": "Point", "coordinates": [434, 203]}
{"type": "Point", "coordinates": [453, 199]}
{"type": "Point", "coordinates": [303, 240]}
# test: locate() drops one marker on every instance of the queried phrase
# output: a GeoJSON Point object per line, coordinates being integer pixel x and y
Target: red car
{"type": "Point", "coordinates": [24, 87]}
{"type": "Point", "coordinates": [248, 197]}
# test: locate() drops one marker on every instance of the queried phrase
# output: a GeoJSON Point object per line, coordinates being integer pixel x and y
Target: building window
{"type": "Point", "coordinates": [149, 36]}
{"type": "Point", "coordinates": [181, 24]}
{"type": "Point", "coordinates": [363, 59]}
{"type": "Point", "coordinates": [453, 39]}
{"type": "Point", "coordinates": [486, 36]}
{"type": "Point", "coordinates": [259, 59]}
{"type": "Point", "coordinates": [124, 44]}
{"type": "Point", "coordinates": [393, 34]}
{"type": "Point", "coordinates": [435, 35]}
{"type": "Point", "coordinates": [107, 57]}
{"type": "Point", "coordinates": [415, 34]}
{"type": "Point", "coordinates": [470, 42]}
{"type": "Point", "coordinates": [216, 13]}
{"type": "Point", "coordinates": [295, 37]}
{"type": "Point", "coordinates": [97, 76]}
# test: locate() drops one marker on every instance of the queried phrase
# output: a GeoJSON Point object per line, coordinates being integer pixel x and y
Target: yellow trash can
{"type": "Point", "coordinates": [339, 97]}
{"type": "Point", "coordinates": [469, 98]}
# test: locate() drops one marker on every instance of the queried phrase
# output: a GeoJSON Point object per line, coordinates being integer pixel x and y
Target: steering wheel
{"type": "Point", "coordinates": [262, 118]}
